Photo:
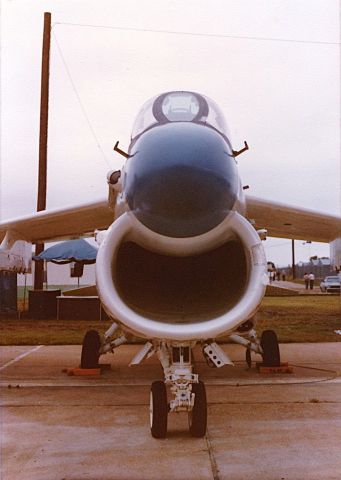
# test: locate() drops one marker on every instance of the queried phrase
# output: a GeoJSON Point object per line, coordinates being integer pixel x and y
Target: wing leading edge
{"type": "Point", "coordinates": [287, 221]}
{"type": "Point", "coordinates": [279, 219]}
{"type": "Point", "coordinates": [60, 223]}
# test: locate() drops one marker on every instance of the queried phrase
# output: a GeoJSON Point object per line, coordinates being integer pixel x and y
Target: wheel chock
{"type": "Point", "coordinates": [282, 368]}
{"type": "Point", "coordinates": [78, 371]}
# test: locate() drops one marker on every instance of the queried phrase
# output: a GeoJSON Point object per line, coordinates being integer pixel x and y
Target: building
{"type": "Point", "coordinates": [320, 267]}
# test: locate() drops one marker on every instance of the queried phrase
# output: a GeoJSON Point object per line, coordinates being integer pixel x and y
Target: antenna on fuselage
{"type": "Point", "coordinates": [121, 152]}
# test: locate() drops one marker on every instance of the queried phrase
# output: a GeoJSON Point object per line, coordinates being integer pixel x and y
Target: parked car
{"type": "Point", "coordinates": [330, 284]}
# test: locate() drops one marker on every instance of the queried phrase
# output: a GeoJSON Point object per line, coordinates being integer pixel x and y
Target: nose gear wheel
{"type": "Point", "coordinates": [197, 417]}
{"type": "Point", "coordinates": [158, 409]}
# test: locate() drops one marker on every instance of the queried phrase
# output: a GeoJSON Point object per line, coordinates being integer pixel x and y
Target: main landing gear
{"type": "Point", "coordinates": [270, 347]}
{"type": "Point", "coordinates": [90, 349]}
{"type": "Point", "coordinates": [267, 347]}
{"type": "Point", "coordinates": [93, 346]}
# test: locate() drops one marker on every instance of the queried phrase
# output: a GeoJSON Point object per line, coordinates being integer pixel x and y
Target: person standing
{"type": "Point", "coordinates": [306, 280]}
{"type": "Point", "coordinates": [311, 280]}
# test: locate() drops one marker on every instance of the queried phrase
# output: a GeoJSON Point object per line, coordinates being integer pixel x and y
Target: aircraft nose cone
{"type": "Point", "coordinates": [181, 202]}
{"type": "Point", "coordinates": [181, 182]}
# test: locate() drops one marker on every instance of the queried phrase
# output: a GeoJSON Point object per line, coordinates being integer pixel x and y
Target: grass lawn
{"type": "Point", "coordinates": [46, 332]}
{"type": "Point", "coordinates": [302, 318]}
{"type": "Point", "coordinates": [295, 319]}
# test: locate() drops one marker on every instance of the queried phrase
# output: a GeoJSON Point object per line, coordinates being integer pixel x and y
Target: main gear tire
{"type": "Point", "coordinates": [90, 349]}
{"type": "Point", "coordinates": [271, 354]}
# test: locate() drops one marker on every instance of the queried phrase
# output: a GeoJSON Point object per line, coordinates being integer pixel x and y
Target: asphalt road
{"type": "Point", "coordinates": [260, 426]}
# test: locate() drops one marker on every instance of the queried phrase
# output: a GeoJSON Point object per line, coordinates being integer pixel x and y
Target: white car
{"type": "Point", "coordinates": [330, 284]}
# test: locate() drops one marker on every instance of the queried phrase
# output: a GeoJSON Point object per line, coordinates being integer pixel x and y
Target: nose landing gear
{"type": "Point", "coordinates": [189, 393]}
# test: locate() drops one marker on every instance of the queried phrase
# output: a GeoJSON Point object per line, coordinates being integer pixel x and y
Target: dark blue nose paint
{"type": "Point", "coordinates": [181, 180]}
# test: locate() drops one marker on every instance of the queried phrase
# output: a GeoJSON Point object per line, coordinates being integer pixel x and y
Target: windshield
{"type": "Point", "coordinates": [179, 106]}
{"type": "Point", "coordinates": [332, 279]}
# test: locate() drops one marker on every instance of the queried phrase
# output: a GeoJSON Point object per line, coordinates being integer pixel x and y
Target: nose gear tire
{"type": "Point", "coordinates": [158, 409]}
{"type": "Point", "coordinates": [198, 416]}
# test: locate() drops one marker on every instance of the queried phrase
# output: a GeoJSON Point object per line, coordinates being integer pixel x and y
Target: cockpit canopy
{"type": "Point", "coordinates": [179, 106]}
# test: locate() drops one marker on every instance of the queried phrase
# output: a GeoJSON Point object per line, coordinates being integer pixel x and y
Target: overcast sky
{"type": "Point", "coordinates": [279, 87]}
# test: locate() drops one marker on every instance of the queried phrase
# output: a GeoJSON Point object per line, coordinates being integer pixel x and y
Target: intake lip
{"type": "Point", "coordinates": [128, 228]}
{"type": "Point", "coordinates": [181, 179]}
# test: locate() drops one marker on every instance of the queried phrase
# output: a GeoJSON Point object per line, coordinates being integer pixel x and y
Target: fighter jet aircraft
{"type": "Point", "coordinates": [180, 258]}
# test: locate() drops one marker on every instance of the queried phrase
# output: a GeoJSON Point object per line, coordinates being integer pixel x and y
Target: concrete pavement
{"type": "Point", "coordinates": [58, 427]}
{"type": "Point", "coordinates": [299, 287]}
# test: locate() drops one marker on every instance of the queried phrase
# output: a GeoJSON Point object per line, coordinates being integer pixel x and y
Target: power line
{"type": "Point", "coordinates": [80, 101]}
{"type": "Point", "coordinates": [193, 34]}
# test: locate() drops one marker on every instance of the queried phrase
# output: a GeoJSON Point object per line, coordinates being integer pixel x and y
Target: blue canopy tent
{"type": "Point", "coordinates": [79, 251]}
{"type": "Point", "coordinates": [76, 252]}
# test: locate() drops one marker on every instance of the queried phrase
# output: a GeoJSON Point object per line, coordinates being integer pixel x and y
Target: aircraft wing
{"type": "Point", "coordinates": [286, 221]}
{"type": "Point", "coordinates": [281, 220]}
{"type": "Point", "coordinates": [61, 223]}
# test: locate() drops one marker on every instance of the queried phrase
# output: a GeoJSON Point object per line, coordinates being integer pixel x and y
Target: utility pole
{"type": "Point", "coordinates": [293, 259]}
{"type": "Point", "coordinates": [44, 111]}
